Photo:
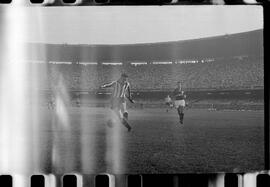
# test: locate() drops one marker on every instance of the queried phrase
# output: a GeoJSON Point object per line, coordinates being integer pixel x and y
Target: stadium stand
{"type": "Point", "coordinates": [236, 62]}
{"type": "Point", "coordinates": [233, 73]}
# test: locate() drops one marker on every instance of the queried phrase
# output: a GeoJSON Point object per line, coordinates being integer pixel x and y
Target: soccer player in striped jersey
{"type": "Point", "coordinates": [121, 92]}
{"type": "Point", "coordinates": [179, 101]}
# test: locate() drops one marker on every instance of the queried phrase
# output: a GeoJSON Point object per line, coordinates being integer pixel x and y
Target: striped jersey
{"type": "Point", "coordinates": [119, 89]}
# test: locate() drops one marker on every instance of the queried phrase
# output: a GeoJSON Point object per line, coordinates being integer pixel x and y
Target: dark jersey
{"type": "Point", "coordinates": [178, 95]}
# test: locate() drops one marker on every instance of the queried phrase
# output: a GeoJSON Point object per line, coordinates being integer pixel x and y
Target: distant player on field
{"type": "Point", "coordinates": [168, 102]}
{"type": "Point", "coordinates": [121, 92]}
{"type": "Point", "coordinates": [78, 101]}
{"type": "Point", "coordinates": [51, 102]}
{"type": "Point", "coordinates": [179, 101]}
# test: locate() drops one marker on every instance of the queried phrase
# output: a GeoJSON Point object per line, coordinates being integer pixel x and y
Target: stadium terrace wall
{"type": "Point", "coordinates": [240, 94]}
{"type": "Point", "coordinates": [248, 43]}
{"type": "Point", "coordinates": [244, 94]}
{"type": "Point", "coordinates": [247, 99]}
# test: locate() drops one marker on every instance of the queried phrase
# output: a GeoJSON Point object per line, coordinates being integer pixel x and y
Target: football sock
{"type": "Point", "coordinates": [181, 116]}
{"type": "Point", "coordinates": [178, 110]}
{"type": "Point", "coordinates": [125, 123]}
{"type": "Point", "coordinates": [125, 115]}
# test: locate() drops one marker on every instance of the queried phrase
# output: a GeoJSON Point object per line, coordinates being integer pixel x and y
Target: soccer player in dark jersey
{"type": "Point", "coordinates": [179, 101]}
{"type": "Point", "coordinates": [121, 92]}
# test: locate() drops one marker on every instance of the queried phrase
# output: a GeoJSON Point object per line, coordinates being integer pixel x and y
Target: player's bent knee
{"type": "Point", "coordinates": [125, 115]}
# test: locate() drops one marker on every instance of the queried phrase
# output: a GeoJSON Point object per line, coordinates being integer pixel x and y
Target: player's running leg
{"type": "Point", "coordinates": [117, 107]}
{"type": "Point", "coordinates": [181, 113]}
{"type": "Point", "coordinates": [125, 116]}
{"type": "Point", "coordinates": [118, 114]}
{"type": "Point", "coordinates": [177, 105]}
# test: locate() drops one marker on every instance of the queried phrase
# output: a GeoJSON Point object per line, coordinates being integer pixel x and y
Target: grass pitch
{"type": "Point", "coordinates": [208, 141]}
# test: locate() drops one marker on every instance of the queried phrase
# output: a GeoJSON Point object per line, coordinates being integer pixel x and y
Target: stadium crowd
{"type": "Point", "coordinates": [219, 74]}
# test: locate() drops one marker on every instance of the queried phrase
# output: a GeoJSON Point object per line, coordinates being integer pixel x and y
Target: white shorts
{"type": "Point", "coordinates": [178, 103]}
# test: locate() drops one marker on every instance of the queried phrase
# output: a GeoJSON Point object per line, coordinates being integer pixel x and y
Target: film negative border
{"type": "Point", "coordinates": [261, 179]}
{"type": "Point", "coordinates": [133, 2]}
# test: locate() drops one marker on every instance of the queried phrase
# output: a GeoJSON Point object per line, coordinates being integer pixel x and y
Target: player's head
{"type": "Point", "coordinates": [124, 77]}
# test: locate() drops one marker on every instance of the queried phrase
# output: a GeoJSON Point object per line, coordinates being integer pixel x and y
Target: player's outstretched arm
{"type": "Point", "coordinates": [107, 85]}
